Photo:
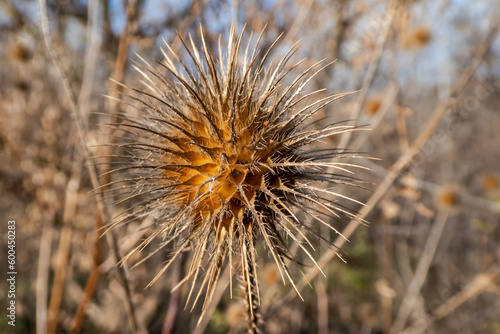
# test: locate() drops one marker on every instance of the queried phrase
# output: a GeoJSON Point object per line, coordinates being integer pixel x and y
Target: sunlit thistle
{"type": "Point", "coordinates": [219, 153]}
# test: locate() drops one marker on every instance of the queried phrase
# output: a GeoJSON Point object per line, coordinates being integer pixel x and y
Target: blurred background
{"type": "Point", "coordinates": [429, 79]}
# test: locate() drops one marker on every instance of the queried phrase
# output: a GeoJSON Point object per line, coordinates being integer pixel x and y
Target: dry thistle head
{"type": "Point", "coordinates": [220, 155]}
{"type": "Point", "coordinates": [20, 52]}
{"type": "Point", "coordinates": [372, 105]}
{"type": "Point", "coordinates": [417, 38]}
{"type": "Point", "coordinates": [490, 182]}
{"type": "Point", "coordinates": [448, 197]}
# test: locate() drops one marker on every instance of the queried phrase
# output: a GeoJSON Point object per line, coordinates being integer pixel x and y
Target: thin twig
{"type": "Point", "coordinates": [94, 39]}
{"type": "Point", "coordinates": [402, 132]}
{"type": "Point", "coordinates": [421, 272]}
{"type": "Point", "coordinates": [235, 11]}
{"type": "Point", "coordinates": [322, 306]}
{"type": "Point", "coordinates": [61, 269]}
{"type": "Point", "coordinates": [42, 278]}
{"type": "Point", "coordinates": [298, 23]}
{"type": "Point", "coordinates": [92, 281]}
{"type": "Point", "coordinates": [480, 283]}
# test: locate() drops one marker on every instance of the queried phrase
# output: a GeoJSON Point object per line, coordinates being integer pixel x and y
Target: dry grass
{"type": "Point", "coordinates": [428, 261]}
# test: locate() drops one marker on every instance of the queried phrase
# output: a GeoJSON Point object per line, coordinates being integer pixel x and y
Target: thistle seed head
{"type": "Point", "coordinates": [219, 151]}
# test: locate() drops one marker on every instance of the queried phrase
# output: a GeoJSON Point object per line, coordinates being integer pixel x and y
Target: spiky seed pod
{"type": "Point", "coordinates": [220, 155]}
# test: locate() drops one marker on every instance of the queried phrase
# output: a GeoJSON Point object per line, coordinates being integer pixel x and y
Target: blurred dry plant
{"type": "Point", "coordinates": [428, 77]}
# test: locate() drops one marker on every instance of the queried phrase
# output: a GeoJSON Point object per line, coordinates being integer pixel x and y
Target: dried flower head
{"type": "Point", "coordinates": [372, 105]}
{"type": "Point", "coordinates": [417, 38]}
{"type": "Point", "coordinates": [220, 155]}
{"type": "Point", "coordinates": [448, 197]}
{"type": "Point", "coordinates": [20, 51]}
{"type": "Point", "coordinates": [490, 182]}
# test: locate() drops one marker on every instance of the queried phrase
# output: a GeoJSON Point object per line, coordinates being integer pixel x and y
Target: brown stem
{"type": "Point", "coordinates": [92, 281]}
{"type": "Point", "coordinates": [252, 298]}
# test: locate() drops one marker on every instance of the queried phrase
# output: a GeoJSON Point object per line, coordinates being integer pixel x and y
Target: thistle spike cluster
{"type": "Point", "coordinates": [220, 154]}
